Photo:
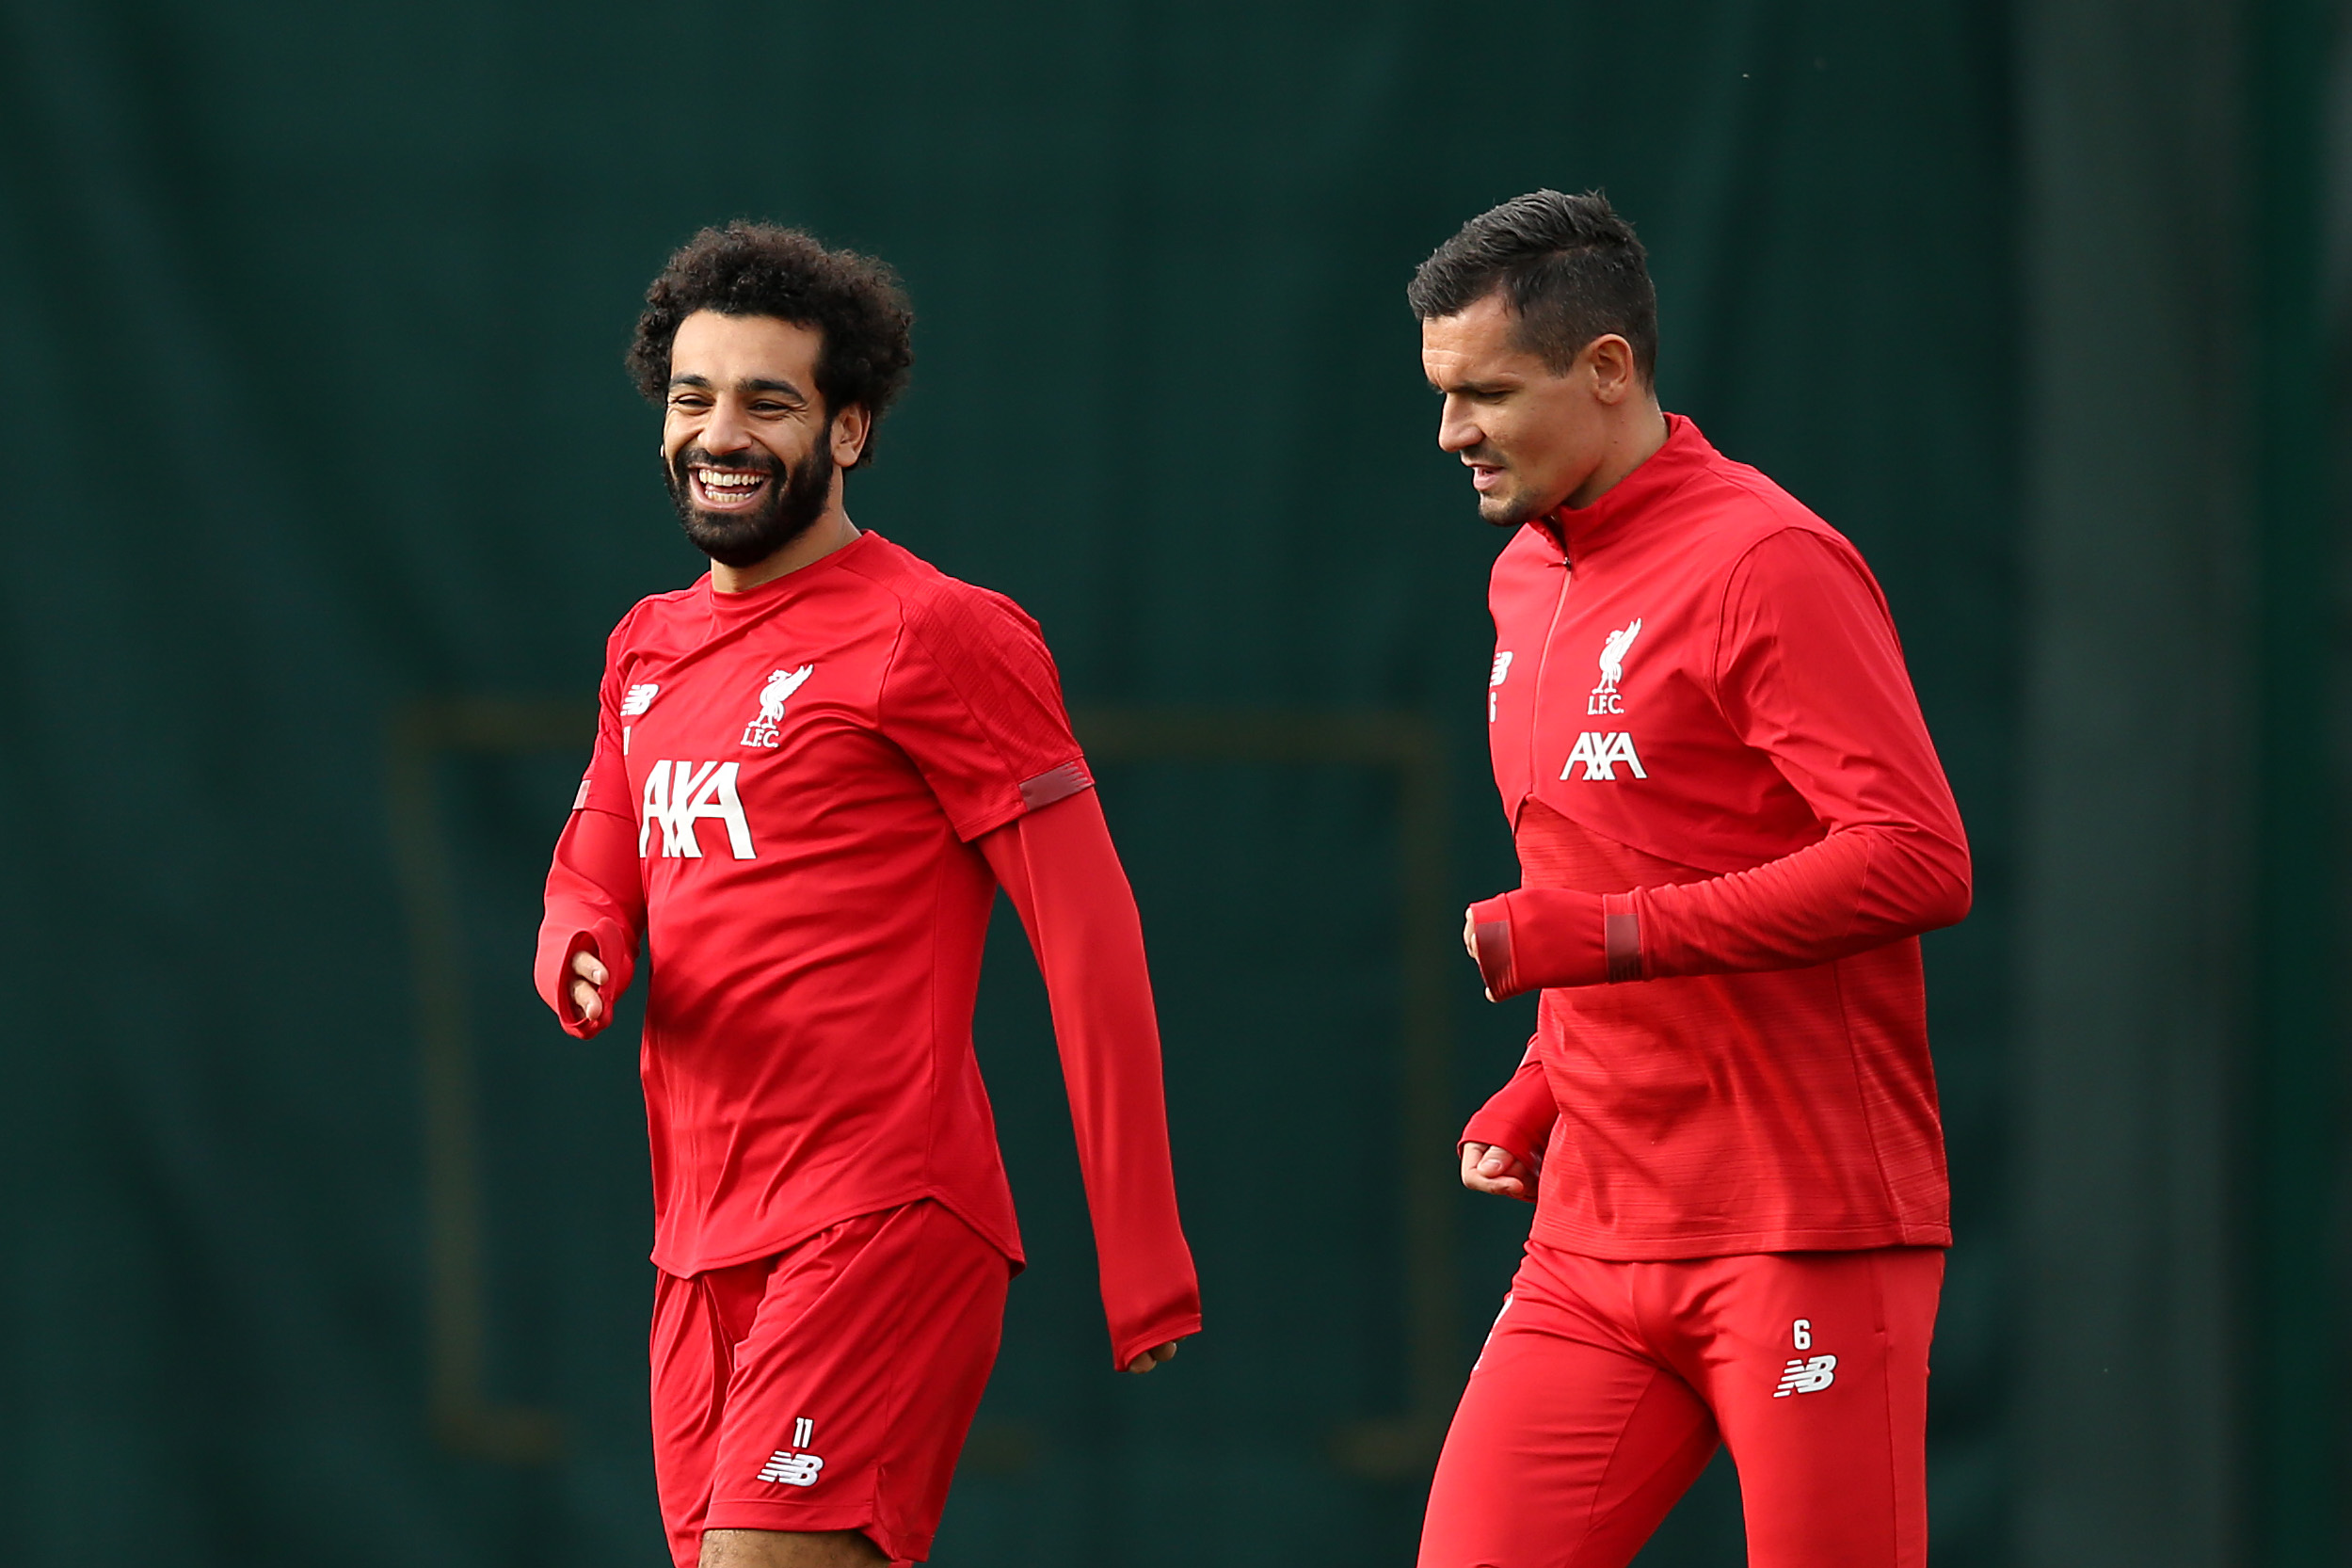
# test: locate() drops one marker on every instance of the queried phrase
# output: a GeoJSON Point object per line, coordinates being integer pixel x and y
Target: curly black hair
{"type": "Point", "coordinates": [1572, 268]}
{"type": "Point", "coordinates": [757, 269]}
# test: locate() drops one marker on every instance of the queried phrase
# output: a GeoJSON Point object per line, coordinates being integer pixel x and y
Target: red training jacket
{"type": "Point", "coordinates": [1732, 827]}
{"type": "Point", "coordinates": [806, 796]}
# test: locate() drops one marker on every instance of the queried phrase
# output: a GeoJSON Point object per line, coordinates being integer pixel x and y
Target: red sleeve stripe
{"type": "Point", "coordinates": [1621, 937]}
{"type": "Point", "coordinates": [1493, 939]}
{"type": "Point", "coordinates": [1055, 784]}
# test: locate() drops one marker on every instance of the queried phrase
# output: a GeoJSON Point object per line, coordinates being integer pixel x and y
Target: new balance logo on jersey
{"type": "Point", "coordinates": [638, 700]}
{"type": "Point", "coordinates": [1604, 698]}
{"type": "Point", "coordinates": [1501, 672]}
{"type": "Point", "coordinates": [763, 731]}
{"type": "Point", "coordinates": [680, 794]}
{"type": "Point", "coordinates": [1805, 1374]}
{"type": "Point", "coordinates": [1600, 754]}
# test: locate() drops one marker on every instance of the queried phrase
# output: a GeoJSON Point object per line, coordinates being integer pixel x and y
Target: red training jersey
{"type": "Point", "coordinates": [806, 796]}
{"type": "Point", "coordinates": [1732, 827]}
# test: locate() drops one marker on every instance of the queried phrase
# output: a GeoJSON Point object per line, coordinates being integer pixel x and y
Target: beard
{"type": "Point", "coordinates": [795, 499]}
{"type": "Point", "coordinates": [1509, 511]}
{"type": "Point", "coordinates": [1509, 507]}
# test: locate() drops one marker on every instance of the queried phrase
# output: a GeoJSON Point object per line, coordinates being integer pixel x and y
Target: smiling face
{"type": "Point", "coordinates": [1532, 439]}
{"type": "Point", "coordinates": [750, 452]}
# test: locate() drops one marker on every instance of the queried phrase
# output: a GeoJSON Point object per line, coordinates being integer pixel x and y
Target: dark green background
{"type": "Point", "coordinates": [311, 409]}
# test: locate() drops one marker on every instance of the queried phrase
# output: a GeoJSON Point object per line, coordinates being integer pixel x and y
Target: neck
{"type": "Point", "coordinates": [829, 532]}
{"type": "Point", "coordinates": [1632, 441]}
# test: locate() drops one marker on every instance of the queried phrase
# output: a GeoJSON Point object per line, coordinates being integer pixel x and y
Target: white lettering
{"type": "Point", "coordinates": [680, 794]}
{"type": "Point", "coordinates": [1601, 753]}
{"type": "Point", "coordinates": [655, 808]}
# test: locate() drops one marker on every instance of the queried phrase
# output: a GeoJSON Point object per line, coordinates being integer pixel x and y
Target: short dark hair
{"type": "Point", "coordinates": [855, 302]}
{"type": "Point", "coordinates": [1571, 267]}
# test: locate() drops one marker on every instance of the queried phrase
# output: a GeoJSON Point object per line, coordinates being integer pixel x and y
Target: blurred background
{"type": "Point", "coordinates": [321, 484]}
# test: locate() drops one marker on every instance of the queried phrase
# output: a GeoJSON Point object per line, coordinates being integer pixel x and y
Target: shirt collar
{"type": "Point", "coordinates": [1577, 531]}
{"type": "Point", "coordinates": [728, 610]}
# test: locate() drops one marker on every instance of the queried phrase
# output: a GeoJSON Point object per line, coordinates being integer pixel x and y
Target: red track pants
{"type": "Point", "coordinates": [1605, 1387]}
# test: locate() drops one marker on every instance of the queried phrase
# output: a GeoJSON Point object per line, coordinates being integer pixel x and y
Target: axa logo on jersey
{"type": "Point", "coordinates": [678, 796]}
{"type": "Point", "coordinates": [1600, 754]}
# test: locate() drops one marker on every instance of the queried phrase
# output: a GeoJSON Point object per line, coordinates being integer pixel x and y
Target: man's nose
{"type": "Point", "coordinates": [725, 430]}
{"type": "Point", "coordinates": [1456, 430]}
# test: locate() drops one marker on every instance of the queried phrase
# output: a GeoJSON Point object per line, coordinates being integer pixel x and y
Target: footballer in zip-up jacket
{"type": "Point", "coordinates": [1732, 829]}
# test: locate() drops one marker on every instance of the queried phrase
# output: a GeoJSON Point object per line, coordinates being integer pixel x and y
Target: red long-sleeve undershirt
{"type": "Point", "coordinates": [1059, 868]}
{"type": "Point", "coordinates": [1518, 1119]}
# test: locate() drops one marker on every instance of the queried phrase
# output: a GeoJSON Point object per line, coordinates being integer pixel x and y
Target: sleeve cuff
{"type": "Point", "coordinates": [608, 942]}
{"type": "Point", "coordinates": [1504, 1132]}
{"type": "Point", "coordinates": [1536, 937]}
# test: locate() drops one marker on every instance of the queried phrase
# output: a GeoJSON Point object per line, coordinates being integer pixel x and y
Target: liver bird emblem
{"type": "Point", "coordinates": [1613, 655]}
{"type": "Point", "coordinates": [781, 685]}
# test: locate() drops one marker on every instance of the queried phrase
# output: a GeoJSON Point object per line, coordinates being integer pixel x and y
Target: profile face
{"type": "Point", "coordinates": [1528, 434]}
{"type": "Point", "coordinates": [748, 448]}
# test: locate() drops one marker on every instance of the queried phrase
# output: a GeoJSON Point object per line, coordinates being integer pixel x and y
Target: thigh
{"type": "Point", "coordinates": [1815, 1366]}
{"type": "Point", "coordinates": [853, 1392]}
{"type": "Point", "coordinates": [1566, 1451]}
{"type": "Point", "coordinates": [697, 1321]}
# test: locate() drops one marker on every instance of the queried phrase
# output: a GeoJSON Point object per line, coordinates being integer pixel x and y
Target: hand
{"type": "Point", "coordinates": [1470, 944]}
{"type": "Point", "coordinates": [587, 976]}
{"type": "Point", "coordinates": [1152, 1357]}
{"type": "Point", "coordinates": [1492, 1168]}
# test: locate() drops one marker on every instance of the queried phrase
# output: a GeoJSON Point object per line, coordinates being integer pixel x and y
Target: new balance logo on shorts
{"type": "Point", "coordinates": [787, 1468]}
{"type": "Point", "coordinates": [1805, 1375]}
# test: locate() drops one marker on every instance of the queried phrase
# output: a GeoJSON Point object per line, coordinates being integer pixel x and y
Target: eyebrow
{"type": "Point", "coordinates": [754, 384]}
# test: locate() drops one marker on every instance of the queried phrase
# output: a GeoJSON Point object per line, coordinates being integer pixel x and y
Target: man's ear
{"type": "Point", "coordinates": [851, 427]}
{"type": "Point", "coordinates": [1614, 375]}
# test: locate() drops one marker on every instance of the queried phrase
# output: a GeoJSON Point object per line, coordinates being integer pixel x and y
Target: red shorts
{"type": "Point", "coordinates": [1605, 1387]}
{"type": "Point", "coordinates": [829, 1387]}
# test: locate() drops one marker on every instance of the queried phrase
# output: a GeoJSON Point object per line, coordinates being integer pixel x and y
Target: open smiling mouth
{"type": "Point", "coordinates": [728, 490]}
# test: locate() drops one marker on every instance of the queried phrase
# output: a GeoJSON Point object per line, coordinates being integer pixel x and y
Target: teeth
{"type": "Point", "coordinates": [712, 479]}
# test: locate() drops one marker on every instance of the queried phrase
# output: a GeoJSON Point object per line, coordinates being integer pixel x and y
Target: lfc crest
{"type": "Point", "coordinates": [1613, 649]}
{"type": "Point", "coordinates": [764, 730]}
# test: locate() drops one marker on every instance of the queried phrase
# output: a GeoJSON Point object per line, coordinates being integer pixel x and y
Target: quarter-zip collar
{"type": "Point", "coordinates": [1575, 532]}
